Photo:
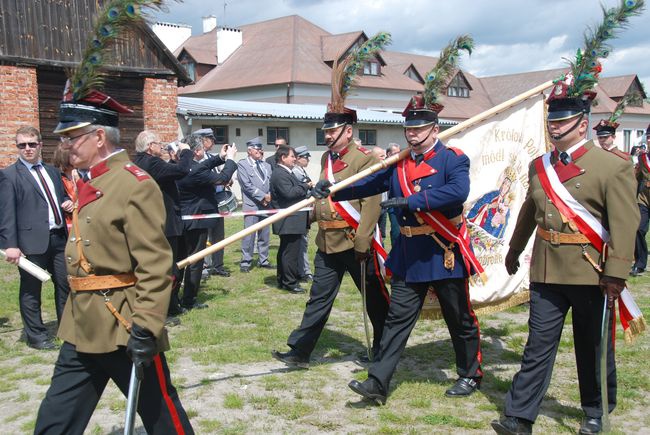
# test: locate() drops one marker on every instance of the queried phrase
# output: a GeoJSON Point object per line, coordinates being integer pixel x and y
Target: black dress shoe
{"type": "Point", "coordinates": [266, 266]}
{"type": "Point", "coordinates": [293, 288]}
{"type": "Point", "coordinates": [307, 278]}
{"type": "Point", "coordinates": [512, 426]}
{"type": "Point", "coordinates": [195, 306]}
{"type": "Point", "coordinates": [463, 387]}
{"type": "Point", "coordinates": [46, 344]}
{"type": "Point", "coordinates": [591, 425]}
{"type": "Point", "coordinates": [369, 389]}
{"type": "Point", "coordinates": [292, 358]}
{"type": "Point", "coordinates": [636, 271]}
{"type": "Point", "coordinates": [220, 271]}
{"type": "Point", "coordinates": [172, 321]}
{"type": "Point", "coordinates": [176, 311]}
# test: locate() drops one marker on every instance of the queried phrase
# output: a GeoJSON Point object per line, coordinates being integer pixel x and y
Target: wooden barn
{"type": "Point", "coordinates": [41, 40]}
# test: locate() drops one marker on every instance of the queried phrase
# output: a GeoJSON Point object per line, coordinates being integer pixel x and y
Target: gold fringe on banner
{"type": "Point", "coordinates": [637, 326]}
{"type": "Point", "coordinates": [431, 308]}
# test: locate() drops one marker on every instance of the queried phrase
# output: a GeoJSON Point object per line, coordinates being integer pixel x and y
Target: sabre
{"type": "Point", "coordinates": [132, 401]}
{"type": "Point", "coordinates": [604, 335]}
{"type": "Point", "coordinates": [29, 267]}
{"type": "Point", "coordinates": [365, 310]}
{"type": "Point", "coordinates": [360, 175]}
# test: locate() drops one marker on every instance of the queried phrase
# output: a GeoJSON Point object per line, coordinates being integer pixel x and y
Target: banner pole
{"type": "Point", "coordinates": [360, 175]}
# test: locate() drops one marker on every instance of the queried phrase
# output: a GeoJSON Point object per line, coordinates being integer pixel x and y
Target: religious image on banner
{"type": "Point", "coordinates": [500, 150]}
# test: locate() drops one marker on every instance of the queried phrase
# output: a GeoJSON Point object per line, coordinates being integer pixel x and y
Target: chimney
{"type": "Point", "coordinates": [209, 23]}
{"type": "Point", "coordinates": [228, 40]}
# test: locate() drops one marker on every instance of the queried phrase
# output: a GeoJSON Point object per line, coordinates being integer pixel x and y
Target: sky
{"type": "Point", "coordinates": [510, 36]}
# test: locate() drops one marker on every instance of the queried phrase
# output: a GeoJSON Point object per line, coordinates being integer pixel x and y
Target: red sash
{"type": "Point", "coordinates": [440, 223]}
{"type": "Point", "coordinates": [646, 161]}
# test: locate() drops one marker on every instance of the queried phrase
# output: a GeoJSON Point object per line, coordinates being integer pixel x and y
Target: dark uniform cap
{"type": "Point", "coordinates": [256, 143]}
{"type": "Point", "coordinates": [302, 151]}
{"type": "Point", "coordinates": [96, 108]}
{"type": "Point", "coordinates": [562, 106]}
{"type": "Point", "coordinates": [417, 114]}
{"type": "Point", "coordinates": [205, 132]}
{"type": "Point", "coordinates": [334, 119]}
{"type": "Point", "coordinates": [606, 128]}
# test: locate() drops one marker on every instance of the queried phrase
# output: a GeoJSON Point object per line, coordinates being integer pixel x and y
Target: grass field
{"type": "Point", "coordinates": [229, 384]}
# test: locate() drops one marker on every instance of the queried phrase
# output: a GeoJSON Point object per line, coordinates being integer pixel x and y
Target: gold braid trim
{"type": "Point", "coordinates": [432, 311]}
{"type": "Point", "coordinates": [637, 326]}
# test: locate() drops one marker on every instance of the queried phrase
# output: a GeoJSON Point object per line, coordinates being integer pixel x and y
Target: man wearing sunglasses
{"type": "Point", "coordinates": [33, 199]}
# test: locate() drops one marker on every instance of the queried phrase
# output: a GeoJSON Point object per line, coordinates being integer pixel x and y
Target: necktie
{"type": "Point", "coordinates": [419, 158]}
{"type": "Point", "coordinates": [84, 176]}
{"type": "Point", "coordinates": [48, 194]}
{"type": "Point", "coordinates": [564, 157]}
{"type": "Point", "coordinates": [334, 156]}
{"type": "Point", "coordinates": [258, 164]}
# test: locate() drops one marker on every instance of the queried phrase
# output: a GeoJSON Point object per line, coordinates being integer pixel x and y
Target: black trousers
{"type": "Point", "coordinates": [641, 246]}
{"type": "Point", "coordinates": [53, 260]}
{"type": "Point", "coordinates": [289, 261]}
{"type": "Point", "coordinates": [549, 304]}
{"type": "Point", "coordinates": [79, 380]}
{"type": "Point", "coordinates": [194, 242]}
{"type": "Point", "coordinates": [177, 275]}
{"type": "Point", "coordinates": [406, 301]}
{"type": "Point", "coordinates": [216, 234]}
{"type": "Point", "coordinates": [328, 273]}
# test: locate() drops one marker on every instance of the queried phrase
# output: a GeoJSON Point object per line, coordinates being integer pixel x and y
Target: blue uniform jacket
{"type": "Point", "coordinates": [419, 258]}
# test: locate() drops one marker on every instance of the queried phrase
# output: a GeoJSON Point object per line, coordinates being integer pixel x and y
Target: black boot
{"type": "Point", "coordinates": [512, 426]}
{"type": "Point", "coordinates": [369, 389]}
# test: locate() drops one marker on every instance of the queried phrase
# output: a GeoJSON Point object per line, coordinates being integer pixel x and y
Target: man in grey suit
{"type": "Point", "coordinates": [33, 225]}
{"type": "Point", "coordinates": [254, 175]}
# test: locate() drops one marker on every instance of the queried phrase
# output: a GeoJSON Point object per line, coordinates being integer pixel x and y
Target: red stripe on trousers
{"type": "Point", "coordinates": [479, 356]}
{"type": "Point", "coordinates": [168, 400]}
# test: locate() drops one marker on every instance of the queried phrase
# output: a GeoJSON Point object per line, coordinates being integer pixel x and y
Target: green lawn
{"type": "Point", "coordinates": [221, 364]}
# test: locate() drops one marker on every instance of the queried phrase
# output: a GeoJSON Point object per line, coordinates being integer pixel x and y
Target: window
{"type": "Point", "coordinates": [190, 67]}
{"type": "Point", "coordinates": [220, 133]}
{"type": "Point", "coordinates": [320, 137]}
{"type": "Point", "coordinates": [458, 87]}
{"type": "Point", "coordinates": [238, 132]}
{"type": "Point", "coordinates": [631, 138]}
{"type": "Point", "coordinates": [368, 137]}
{"type": "Point", "coordinates": [260, 132]}
{"type": "Point", "coordinates": [412, 74]}
{"type": "Point", "coordinates": [273, 133]}
{"type": "Point", "coordinates": [371, 68]}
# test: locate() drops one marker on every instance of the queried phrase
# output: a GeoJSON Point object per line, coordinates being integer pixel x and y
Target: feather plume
{"type": "Point", "coordinates": [586, 66]}
{"type": "Point", "coordinates": [109, 24]}
{"type": "Point", "coordinates": [437, 80]}
{"type": "Point", "coordinates": [620, 107]}
{"type": "Point", "coordinates": [344, 73]}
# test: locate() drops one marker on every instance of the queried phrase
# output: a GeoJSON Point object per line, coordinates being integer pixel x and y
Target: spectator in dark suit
{"type": "Point", "coordinates": [271, 159]}
{"type": "Point", "coordinates": [198, 197]}
{"type": "Point", "coordinates": [32, 224]}
{"type": "Point", "coordinates": [286, 190]}
{"type": "Point", "coordinates": [148, 149]}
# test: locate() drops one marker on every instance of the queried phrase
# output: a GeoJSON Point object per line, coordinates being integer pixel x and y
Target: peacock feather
{"type": "Point", "coordinates": [437, 80]}
{"type": "Point", "coordinates": [586, 66]}
{"type": "Point", "coordinates": [344, 73]}
{"type": "Point", "coordinates": [109, 23]}
{"type": "Point", "coordinates": [620, 107]}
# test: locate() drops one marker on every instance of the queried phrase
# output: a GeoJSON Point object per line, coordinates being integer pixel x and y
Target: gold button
{"type": "Point", "coordinates": [87, 219]}
{"type": "Point", "coordinates": [550, 215]}
{"type": "Point", "coordinates": [86, 242]}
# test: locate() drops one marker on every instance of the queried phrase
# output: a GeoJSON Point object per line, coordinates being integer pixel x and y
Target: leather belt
{"type": "Point", "coordinates": [562, 238]}
{"type": "Point", "coordinates": [331, 225]}
{"type": "Point", "coordinates": [422, 230]}
{"type": "Point", "coordinates": [101, 282]}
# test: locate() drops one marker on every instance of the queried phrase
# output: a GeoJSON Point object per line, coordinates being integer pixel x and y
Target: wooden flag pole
{"type": "Point", "coordinates": [360, 175]}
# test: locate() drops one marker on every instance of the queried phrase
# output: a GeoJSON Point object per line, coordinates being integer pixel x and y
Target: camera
{"type": "Point", "coordinates": [172, 147]}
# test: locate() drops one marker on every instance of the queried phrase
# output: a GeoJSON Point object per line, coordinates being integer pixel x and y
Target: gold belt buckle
{"type": "Point", "coordinates": [407, 232]}
{"type": "Point", "coordinates": [555, 237]}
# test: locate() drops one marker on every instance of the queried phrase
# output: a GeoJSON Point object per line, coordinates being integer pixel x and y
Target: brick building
{"type": "Point", "coordinates": [40, 41]}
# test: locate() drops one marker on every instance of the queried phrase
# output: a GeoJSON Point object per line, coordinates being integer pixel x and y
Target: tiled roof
{"type": "Point", "coordinates": [202, 48]}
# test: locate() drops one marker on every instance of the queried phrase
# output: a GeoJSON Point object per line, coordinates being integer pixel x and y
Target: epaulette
{"type": "Point", "coordinates": [139, 174]}
{"type": "Point", "coordinates": [456, 151]}
{"type": "Point", "coordinates": [363, 149]}
{"type": "Point", "coordinates": [619, 153]}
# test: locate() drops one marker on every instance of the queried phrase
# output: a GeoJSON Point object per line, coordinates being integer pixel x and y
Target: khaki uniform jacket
{"type": "Point", "coordinates": [643, 176]}
{"type": "Point", "coordinates": [353, 159]}
{"type": "Point", "coordinates": [604, 184]}
{"type": "Point", "coordinates": [121, 223]}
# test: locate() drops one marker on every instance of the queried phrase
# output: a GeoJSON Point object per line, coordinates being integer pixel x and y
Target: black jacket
{"type": "Point", "coordinates": [197, 190]}
{"type": "Point", "coordinates": [166, 175]}
{"type": "Point", "coordinates": [286, 190]}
